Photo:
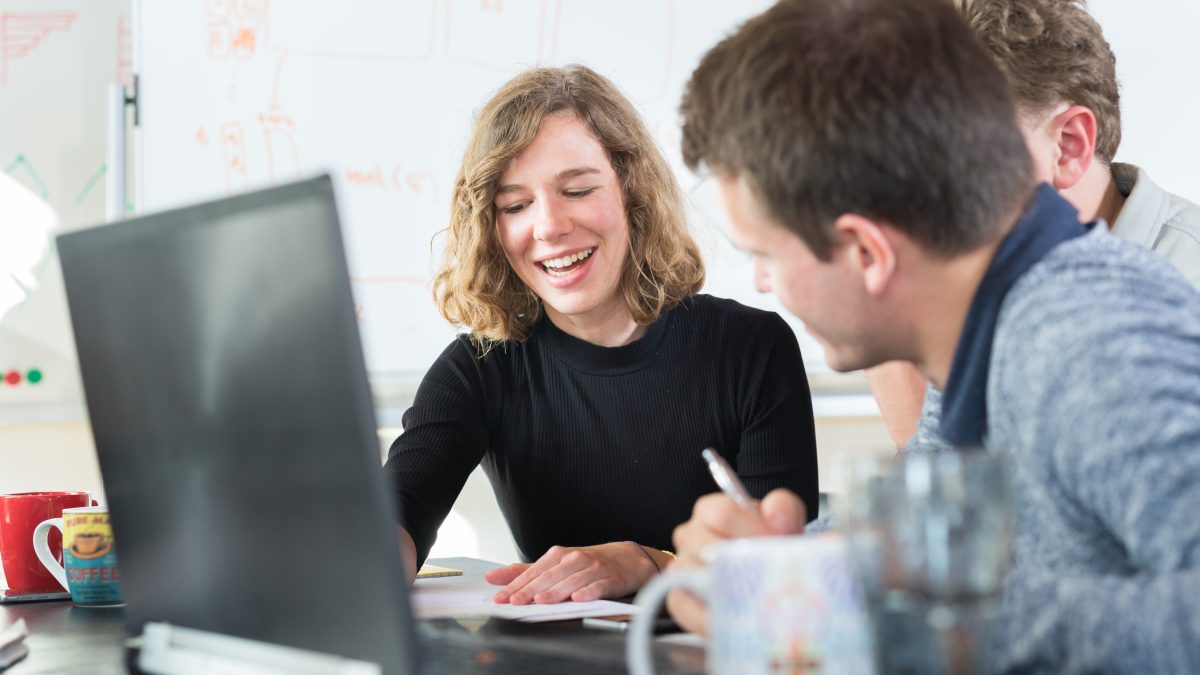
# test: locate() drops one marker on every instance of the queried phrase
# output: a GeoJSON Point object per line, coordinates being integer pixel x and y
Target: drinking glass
{"type": "Point", "coordinates": [931, 537]}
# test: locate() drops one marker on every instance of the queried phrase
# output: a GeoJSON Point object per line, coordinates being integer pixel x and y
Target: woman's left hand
{"type": "Point", "coordinates": [580, 574]}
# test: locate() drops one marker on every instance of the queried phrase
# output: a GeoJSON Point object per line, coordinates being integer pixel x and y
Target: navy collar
{"type": "Point", "coordinates": [1048, 221]}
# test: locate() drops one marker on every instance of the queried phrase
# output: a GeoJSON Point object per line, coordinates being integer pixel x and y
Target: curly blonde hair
{"type": "Point", "coordinates": [476, 286]}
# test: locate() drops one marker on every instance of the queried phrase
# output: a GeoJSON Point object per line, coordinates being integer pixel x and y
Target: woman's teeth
{"type": "Point", "coordinates": [560, 267]}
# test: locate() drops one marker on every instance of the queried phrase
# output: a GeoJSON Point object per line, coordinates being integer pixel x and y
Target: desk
{"type": "Point", "coordinates": [68, 639]}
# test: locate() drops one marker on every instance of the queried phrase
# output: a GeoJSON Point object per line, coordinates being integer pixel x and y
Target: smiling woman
{"type": "Point", "coordinates": [563, 228]}
{"type": "Point", "coordinates": [592, 373]}
{"type": "Point", "coordinates": [567, 134]}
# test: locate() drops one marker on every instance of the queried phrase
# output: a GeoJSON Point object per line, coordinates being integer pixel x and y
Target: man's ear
{"type": "Point", "coordinates": [1074, 131]}
{"type": "Point", "coordinates": [862, 244]}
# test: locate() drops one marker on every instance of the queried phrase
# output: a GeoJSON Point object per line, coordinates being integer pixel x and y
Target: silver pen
{"type": "Point", "coordinates": [727, 480]}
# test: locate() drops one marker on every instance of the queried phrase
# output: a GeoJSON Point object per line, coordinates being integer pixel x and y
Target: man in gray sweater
{"type": "Point", "coordinates": [869, 157]}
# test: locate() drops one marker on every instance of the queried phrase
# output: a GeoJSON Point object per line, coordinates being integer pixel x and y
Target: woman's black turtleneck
{"type": "Point", "coordinates": [586, 444]}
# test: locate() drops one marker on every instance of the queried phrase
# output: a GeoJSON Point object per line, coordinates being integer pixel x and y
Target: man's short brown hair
{"type": "Point", "coordinates": [890, 109]}
{"type": "Point", "coordinates": [1052, 51]}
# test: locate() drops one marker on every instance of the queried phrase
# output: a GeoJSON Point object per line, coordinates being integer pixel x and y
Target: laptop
{"type": "Point", "coordinates": [234, 424]}
{"type": "Point", "coordinates": [234, 427]}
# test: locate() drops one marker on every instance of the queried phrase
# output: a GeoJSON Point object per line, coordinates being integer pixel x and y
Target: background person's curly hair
{"type": "Point", "coordinates": [1052, 51]}
{"type": "Point", "coordinates": [476, 286]}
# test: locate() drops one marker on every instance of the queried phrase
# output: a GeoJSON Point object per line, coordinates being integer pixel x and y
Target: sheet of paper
{"type": "Point", "coordinates": [572, 610]}
{"type": "Point", "coordinates": [446, 597]}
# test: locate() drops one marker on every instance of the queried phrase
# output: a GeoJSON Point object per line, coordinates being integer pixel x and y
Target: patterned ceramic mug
{"type": "Point", "coordinates": [89, 570]}
{"type": "Point", "coordinates": [775, 605]}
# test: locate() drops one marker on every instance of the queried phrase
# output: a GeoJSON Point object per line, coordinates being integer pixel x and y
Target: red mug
{"type": "Point", "coordinates": [20, 514]}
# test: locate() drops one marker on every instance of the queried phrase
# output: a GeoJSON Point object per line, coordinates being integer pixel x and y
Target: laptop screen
{"type": "Point", "coordinates": [233, 423]}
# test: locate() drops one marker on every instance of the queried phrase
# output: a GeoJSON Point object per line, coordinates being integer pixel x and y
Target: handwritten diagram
{"type": "Point", "coordinates": [279, 159]}
{"type": "Point", "coordinates": [398, 179]}
{"type": "Point", "coordinates": [283, 157]}
{"type": "Point", "coordinates": [91, 184]}
{"type": "Point", "coordinates": [21, 169]}
{"type": "Point", "coordinates": [21, 32]}
{"type": "Point", "coordinates": [124, 53]}
{"type": "Point", "coordinates": [233, 28]}
{"type": "Point", "coordinates": [233, 156]}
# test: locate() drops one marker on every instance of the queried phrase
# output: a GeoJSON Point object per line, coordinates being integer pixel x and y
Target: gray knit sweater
{"type": "Point", "coordinates": [1094, 392]}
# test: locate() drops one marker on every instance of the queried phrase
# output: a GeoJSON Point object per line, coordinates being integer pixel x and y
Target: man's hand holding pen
{"type": "Point", "coordinates": [717, 517]}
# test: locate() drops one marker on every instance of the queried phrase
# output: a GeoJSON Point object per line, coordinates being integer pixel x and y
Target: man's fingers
{"type": "Point", "coordinates": [784, 512]}
{"type": "Point", "coordinates": [691, 537]}
{"type": "Point", "coordinates": [726, 519]}
{"type": "Point", "coordinates": [688, 611]}
{"type": "Point", "coordinates": [716, 516]}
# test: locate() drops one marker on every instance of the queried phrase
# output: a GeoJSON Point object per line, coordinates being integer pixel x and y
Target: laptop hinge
{"type": "Point", "coordinates": [172, 650]}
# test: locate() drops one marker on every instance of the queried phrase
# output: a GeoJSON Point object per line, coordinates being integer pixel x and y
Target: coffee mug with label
{"type": "Point", "coordinates": [89, 571]}
{"type": "Point", "coordinates": [20, 514]}
{"type": "Point", "coordinates": [775, 605]}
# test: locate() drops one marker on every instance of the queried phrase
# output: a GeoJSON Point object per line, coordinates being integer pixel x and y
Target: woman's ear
{"type": "Point", "coordinates": [866, 250]}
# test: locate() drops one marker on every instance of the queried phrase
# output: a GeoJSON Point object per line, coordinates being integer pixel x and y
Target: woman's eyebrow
{"type": "Point", "coordinates": [565, 174]}
{"type": "Point", "coordinates": [572, 173]}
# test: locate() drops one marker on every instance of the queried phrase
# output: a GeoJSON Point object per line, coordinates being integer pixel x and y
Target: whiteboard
{"type": "Point", "coordinates": [56, 60]}
{"type": "Point", "coordinates": [381, 95]}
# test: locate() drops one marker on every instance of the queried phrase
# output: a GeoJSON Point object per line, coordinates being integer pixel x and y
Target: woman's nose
{"type": "Point", "coordinates": [762, 280]}
{"type": "Point", "coordinates": [552, 221]}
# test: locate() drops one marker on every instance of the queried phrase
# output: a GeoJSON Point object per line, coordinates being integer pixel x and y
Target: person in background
{"type": "Point", "coordinates": [592, 373]}
{"type": "Point", "coordinates": [1063, 75]}
{"type": "Point", "coordinates": [869, 156]}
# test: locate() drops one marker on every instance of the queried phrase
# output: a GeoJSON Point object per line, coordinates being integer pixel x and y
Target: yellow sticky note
{"type": "Point", "coordinates": [429, 571]}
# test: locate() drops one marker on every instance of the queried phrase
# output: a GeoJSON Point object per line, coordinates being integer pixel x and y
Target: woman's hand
{"type": "Point", "coordinates": [580, 574]}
